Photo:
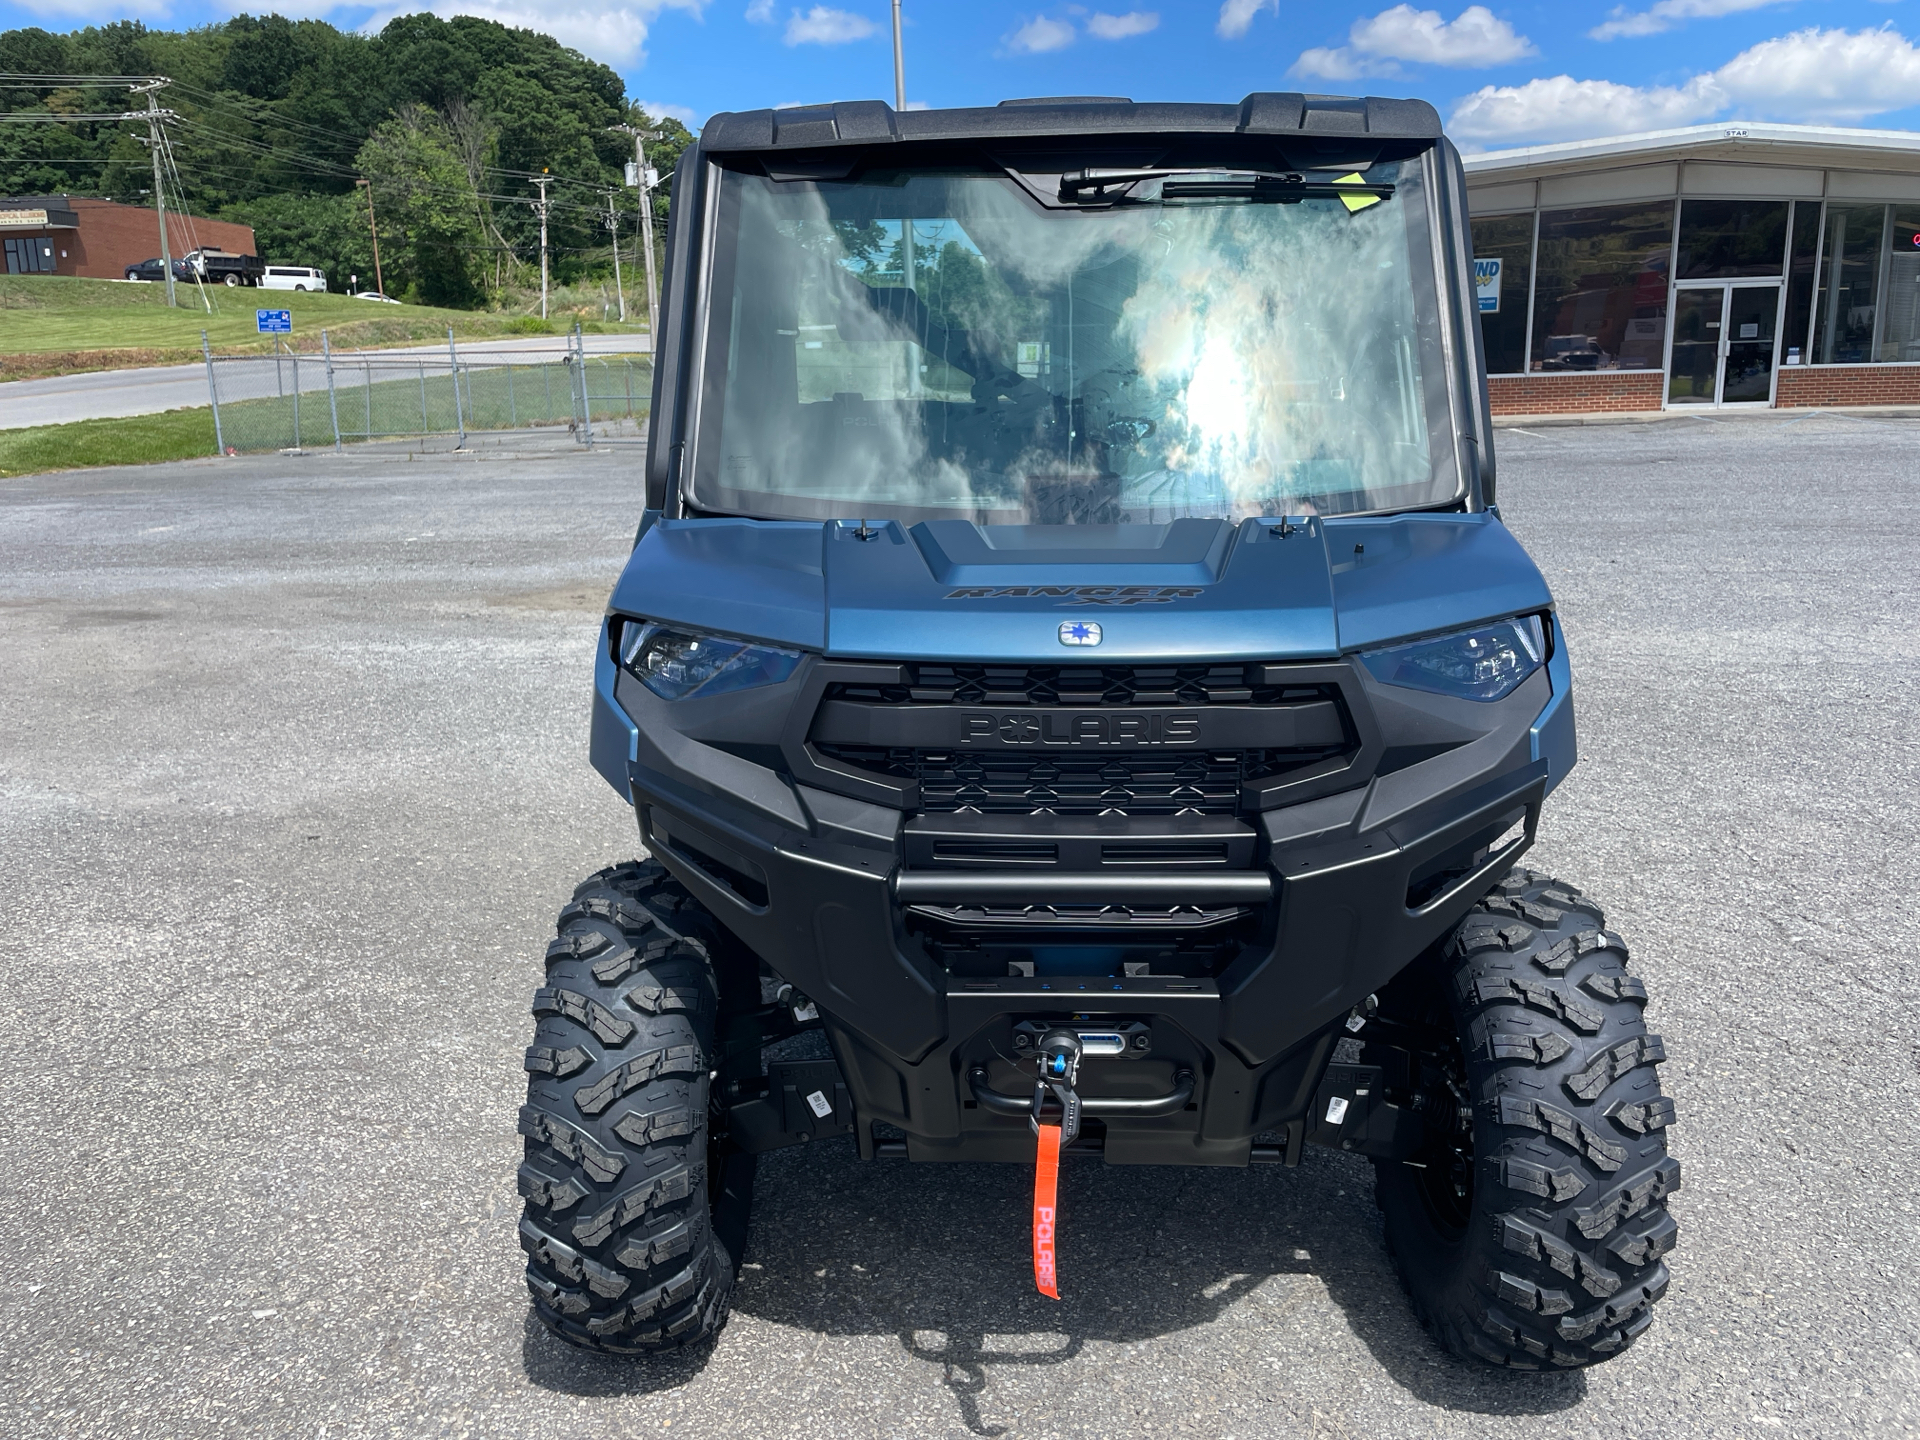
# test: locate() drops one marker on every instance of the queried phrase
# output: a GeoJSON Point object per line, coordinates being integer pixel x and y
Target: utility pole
{"type": "Point", "coordinates": [540, 209]}
{"type": "Point", "coordinates": [159, 199]}
{"type": "Point", "coordinates": [379, 283]}
{"type": "Point", "coordinates": [643, 179]}
{"type": "Point", "coordinates": [899, 63]}
{"type": "Point", "coordinates": [613, 224]}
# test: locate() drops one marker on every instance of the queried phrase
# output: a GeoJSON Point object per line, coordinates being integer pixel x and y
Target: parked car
{"type": "Point", "coordinates": [1571, 352]}
{"type": "Point", "coordinates": [293, 277]}
{"type": "Point", "coordinates": [154, 270]}
{"type": "Point", "coordinates": [376, 295]}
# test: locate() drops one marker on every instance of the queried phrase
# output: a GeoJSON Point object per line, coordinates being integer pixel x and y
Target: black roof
{"type": "Point", "coordinates": [1311, 129]}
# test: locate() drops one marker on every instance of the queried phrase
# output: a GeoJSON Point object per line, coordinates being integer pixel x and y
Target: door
{"type": "Point", "coordinates": [1746, 372]}
{"type": "Point", "coordinates": [1723, 344]}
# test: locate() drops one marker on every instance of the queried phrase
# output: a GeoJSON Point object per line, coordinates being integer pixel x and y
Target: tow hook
{"type": "Point", "coordinates": [1058, 1064]}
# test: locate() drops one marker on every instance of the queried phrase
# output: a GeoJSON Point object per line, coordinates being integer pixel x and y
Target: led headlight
{"type": "Point", "coordinates": [1483, 663]}
{"type": "Point", "coordinates": [677, 663]}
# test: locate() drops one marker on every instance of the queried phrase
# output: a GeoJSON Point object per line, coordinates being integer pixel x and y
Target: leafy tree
{"type": "Point", "coordinates": [428, 209]}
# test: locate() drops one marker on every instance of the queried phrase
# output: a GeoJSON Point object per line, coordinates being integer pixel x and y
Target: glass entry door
{"type": "Point", "coordinates": [1723, 344]}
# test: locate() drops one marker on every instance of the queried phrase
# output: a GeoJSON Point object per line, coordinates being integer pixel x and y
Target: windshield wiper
{"type": "Point", "coordinates": [1273, 187]}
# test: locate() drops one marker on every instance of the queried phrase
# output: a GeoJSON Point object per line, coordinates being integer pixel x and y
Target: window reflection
{"type": "Point", "coordinates": [1900, 336]}
{"type": "Point", "coordinates": [1601, 295]}
{"type": "Point", "coordinates": [1849, 283]}
{"type": "Point", "coordinates": [1728, 239]}
{"type": "Point", "coordinates": [1800, 268]}
{"type": "Point", "coordinates": [1503, 329]}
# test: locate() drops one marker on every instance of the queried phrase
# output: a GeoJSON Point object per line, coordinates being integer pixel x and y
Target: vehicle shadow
{"type": "Point", "coordinates": [938, 1256]}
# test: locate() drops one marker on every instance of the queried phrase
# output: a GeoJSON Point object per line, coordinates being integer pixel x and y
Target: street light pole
{"type": "Point", "coordinates": [373, 225]}
{"type": "Point", "coordinates": [899, 63]}
{"type": "Point", "coordinates": [642, 179]}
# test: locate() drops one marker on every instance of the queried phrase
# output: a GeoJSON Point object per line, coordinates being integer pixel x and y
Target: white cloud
{"type": "Point", "coordinates": [615, 34]}
{"type": "Point", "coordinates": [1810, 75]}
{"type": "Point", "coordinates": [1121, 27]}
{"type": "Point", "coordinates": [1824, 75]}
{"type": "Point", "coordinates": [98, 9]}
{"type": "Point", "coordinates": [1563, 108]}
{"type": "Point", "coordinates": [1668, 13]}
{"type": "Point", "coordinates": [825, 26]}
{"type": "Point", "coordinates": [1040, 35]}
{"type": "Point", "coordinates": [1376, 45]}
{"type": "Point", "coordinates": [760, 12]}
{"type": "Point", "coordinates": [1236, 16]}
{"type": "Point", "coordinates": [665, 110]}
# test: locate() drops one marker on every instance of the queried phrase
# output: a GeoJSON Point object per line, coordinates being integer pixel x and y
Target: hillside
{"type": "Point", "coordinates": [451, 121]}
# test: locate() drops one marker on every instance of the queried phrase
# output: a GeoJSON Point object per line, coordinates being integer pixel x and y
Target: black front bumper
{"type": "Point", "coordinates": [1357, 884]}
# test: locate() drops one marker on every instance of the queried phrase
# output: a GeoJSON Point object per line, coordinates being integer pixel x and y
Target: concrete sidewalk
{"type": "Point", "coordinates": [112, 394]}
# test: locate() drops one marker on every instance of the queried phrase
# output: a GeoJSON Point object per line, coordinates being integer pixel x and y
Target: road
{"type": "Point", "coordinates": [295, 779]}
{"type": "Point", "coordinates": [110, 394]}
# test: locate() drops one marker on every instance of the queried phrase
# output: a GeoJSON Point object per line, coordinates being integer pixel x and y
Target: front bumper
{"type": "Point", "coordinates": [1352, 886]}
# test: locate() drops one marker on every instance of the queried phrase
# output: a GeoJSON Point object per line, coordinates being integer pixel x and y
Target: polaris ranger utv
{"type": "Point", "coordinates": [1072, 662]}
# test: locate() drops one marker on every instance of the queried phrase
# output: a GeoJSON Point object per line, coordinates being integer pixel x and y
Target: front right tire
{"type": "Point", "coordinates": [620, 1177]}
{"type": "Point", "coordinates": [1533, 1238]}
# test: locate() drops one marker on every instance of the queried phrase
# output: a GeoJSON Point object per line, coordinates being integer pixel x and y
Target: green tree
{"type": "Point", "coordinates": [428, 211]}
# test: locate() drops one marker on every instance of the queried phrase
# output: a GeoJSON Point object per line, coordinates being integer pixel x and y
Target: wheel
{"type": "Point", "coordinates": [232, 280]}
{"type": "Point", "coordinates": [301, 288]}
{"type": "Point", "coordinates": [1531, 1234]}
{"type": "Point", "coordinates": [621, 1176]}
{"type": "Point", "coordinates": [133, 275]}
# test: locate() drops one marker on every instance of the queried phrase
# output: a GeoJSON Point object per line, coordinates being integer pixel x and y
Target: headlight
{"type": "Point", "coordinates": [1483, 663]}
{"type": "Point", "coordinates": [677, 663]}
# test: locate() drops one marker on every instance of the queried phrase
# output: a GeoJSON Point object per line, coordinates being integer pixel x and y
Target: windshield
{"type": "Point", "coordinates": [939, 343]}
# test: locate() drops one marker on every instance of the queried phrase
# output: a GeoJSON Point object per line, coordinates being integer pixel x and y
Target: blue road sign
{"type": "Point", "coordinates": [274, 322]}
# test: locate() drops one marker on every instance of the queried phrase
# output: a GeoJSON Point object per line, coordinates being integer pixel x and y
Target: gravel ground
{"type": "Point", "coordinates": [294, 778]}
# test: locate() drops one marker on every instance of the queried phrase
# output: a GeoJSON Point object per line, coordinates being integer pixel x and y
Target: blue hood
{"type": "Point", "coordinates": [1189, 590]}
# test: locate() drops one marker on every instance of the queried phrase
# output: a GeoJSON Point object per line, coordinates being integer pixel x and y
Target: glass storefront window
{"type": "Point", "coordinates": [1900, 335]}
{"type": "Point", "coordinates": [1600, 299]}
{"type": "Point", "coordinates": [1729, 239]}
{"type": "Point", "coordinates": [1806, 245]}
{"type": "Point", "coordinates": [1507, 239]}
{"type": "Point", "coordinates": [1849, 283]}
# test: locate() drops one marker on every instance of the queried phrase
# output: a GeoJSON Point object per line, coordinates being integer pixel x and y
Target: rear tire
{"type": "Point", "coordinates": [1540, 1247]}
{"type": "Point", "coordinates": [620, 1177]}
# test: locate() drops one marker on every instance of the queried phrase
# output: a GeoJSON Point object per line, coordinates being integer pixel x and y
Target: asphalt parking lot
{"type": "Point", "coordinates": [294, 777]}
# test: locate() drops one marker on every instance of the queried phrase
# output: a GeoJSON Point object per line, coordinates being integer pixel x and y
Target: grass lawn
{"type": "Point", "coordinates": [51, 325]}
{"type": "Point", "coordinates": [135, 440]}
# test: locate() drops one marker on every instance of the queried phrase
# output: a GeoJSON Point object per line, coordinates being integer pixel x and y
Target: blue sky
{"type": "Point", "coordinates": [1502, 75]}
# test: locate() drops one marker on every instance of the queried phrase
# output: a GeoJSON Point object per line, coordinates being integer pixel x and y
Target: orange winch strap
{"type": "Point", "coordinates": [1046, 1177]}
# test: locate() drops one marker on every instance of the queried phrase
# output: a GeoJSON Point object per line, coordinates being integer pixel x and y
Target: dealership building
{"type": "Point", "coordinates": [75, 235]}
{"type": "Point", "coordinates": [1718, 265]}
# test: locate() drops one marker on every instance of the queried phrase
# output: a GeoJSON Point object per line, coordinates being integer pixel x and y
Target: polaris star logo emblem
{"type": "Point", "coordinates": [1079, 632]}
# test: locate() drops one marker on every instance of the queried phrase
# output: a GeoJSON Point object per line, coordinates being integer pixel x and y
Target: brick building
{"type": "Point", "coordinates": [1717, 265]}
{"type": "Point", "coordinates": [99, 239]}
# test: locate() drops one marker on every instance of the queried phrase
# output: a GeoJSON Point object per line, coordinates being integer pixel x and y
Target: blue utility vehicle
{"type": "Point", "coordinates": [1072, 665]}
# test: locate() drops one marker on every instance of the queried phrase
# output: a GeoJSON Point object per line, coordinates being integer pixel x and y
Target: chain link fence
{"type": "Point", "coordinates": [292, 401]}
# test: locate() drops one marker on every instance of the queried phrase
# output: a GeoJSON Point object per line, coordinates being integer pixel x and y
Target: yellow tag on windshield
{"type": "Point", "coordinates": [1356, 202]}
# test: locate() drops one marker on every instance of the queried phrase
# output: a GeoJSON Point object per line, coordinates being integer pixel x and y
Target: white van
{"type": "Point", "coordinates": [293, 277]}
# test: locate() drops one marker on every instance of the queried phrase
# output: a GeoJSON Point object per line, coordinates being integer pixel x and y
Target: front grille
{"type": "Point", "coordinates": [1121, 783]}
{"type": "Point", "coordinates": [1105, 685]}
{"type": "Point", "coordinates": [1146, 779]}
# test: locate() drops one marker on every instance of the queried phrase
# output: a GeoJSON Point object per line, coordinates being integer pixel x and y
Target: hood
{"type": "Point", "coordinates": [1189, 590]}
